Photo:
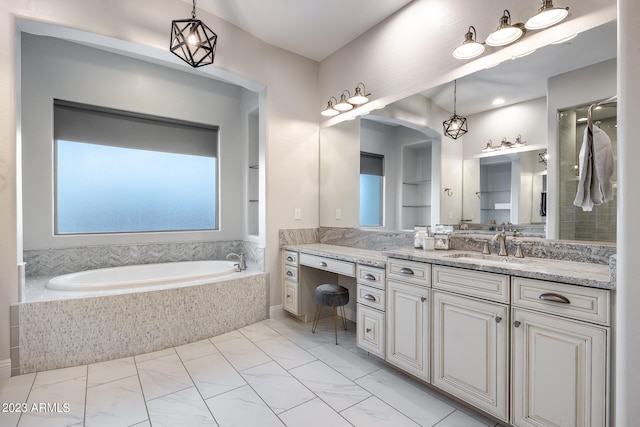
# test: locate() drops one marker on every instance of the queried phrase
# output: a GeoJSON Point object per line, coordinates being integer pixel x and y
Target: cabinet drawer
{"type": "Point", "coordinates": [409, 271]}
{"type": "Point", "coordinates": [370, 276]}
{"type": "Point", "coordinates": [328, 264]}
{"type": "Point", "coordinates": [370, 333]}
{"type": "Point", "coordinates": [372, 297]}
{"type": "Point", "coordinates": [576, 302]}
{"type": "Point", "coordinates": [290, 272]}
{"type": "Point", "coordinates": [472, 283]}
{"type": "Point", "coordinates": [290, 257]}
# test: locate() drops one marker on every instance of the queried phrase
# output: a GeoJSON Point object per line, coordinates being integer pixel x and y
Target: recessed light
{"type": "Point", "coordinates": [498, 101]}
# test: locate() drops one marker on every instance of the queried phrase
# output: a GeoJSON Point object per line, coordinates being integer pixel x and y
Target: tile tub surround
{"type": "Point", "coordinates": [54, 262]}
{"type": "Point", "coordinates": [70, 332]}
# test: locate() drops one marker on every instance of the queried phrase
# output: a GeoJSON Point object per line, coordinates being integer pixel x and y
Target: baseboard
{"type": "Point", "coordinates": [5, 368]}
{"type": "Point", "coordinates": [276, 311]}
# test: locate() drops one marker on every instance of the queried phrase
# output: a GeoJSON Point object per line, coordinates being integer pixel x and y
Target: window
{"type": "Point", "coordinates": [371, 189]}
{"type": "Point", "coordinates": [120, 172]}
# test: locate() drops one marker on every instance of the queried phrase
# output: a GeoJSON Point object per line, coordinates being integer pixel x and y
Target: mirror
{"type": "Point", "coordinates": [535, 88]}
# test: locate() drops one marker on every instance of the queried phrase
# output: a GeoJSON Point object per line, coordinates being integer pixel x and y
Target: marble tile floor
{"type": "Point", "coordinates": [272, 373]}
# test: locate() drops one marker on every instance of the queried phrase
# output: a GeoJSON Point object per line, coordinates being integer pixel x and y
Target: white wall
{"type": "Point", "coordinates": [57, 69]}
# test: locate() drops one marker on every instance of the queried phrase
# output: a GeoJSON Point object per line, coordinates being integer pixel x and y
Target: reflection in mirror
{"type": "Point", "coordinates": [505, 188]}
{"type": "Point", "coordinates": [575, 224]}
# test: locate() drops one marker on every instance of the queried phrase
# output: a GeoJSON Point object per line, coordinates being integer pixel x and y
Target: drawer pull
{"type": "Point", "coordinates": [517, 323]}
{"type": "Point", "coordinates": [369, 276]}
{"type": "Point", "coordinates": [368, 330]}
{"type": "Point", "coordinates": [369, 297]}
{"type": "Point", "coordinates": [289, 258]}
{"type": "Point", "coordinates": [289, 273]}
{"type": "Point", "coordinates": [549, 296]}
{"type": "Point", "coordinates": [498, 319]}
{"type": "Point", "coordinates": [323, 264]}
{"type": "Point", "coordinates": [405, 270]}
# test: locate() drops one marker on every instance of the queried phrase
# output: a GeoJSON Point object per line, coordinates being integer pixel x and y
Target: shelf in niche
{"type": "Point", "coordinates": [416, 206]}
{"type": "Point", "coordinates": [417, 182]}
{"type": "Point", "coordinates": [253, 200]}
{"type": "Point", "coordinates": [254, 166]}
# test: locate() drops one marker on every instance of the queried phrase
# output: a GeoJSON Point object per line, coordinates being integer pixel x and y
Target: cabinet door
{"type": "Point", "coordinates": [290, 297]}
{"type": "Point", "coordinates": [559, 371]}
{"type": "Point", "coordinates": [370, 330]}
{"type": "Point", "coordinates": [408, 327]}
{"type": "Point", "coordinates": [470, 351]}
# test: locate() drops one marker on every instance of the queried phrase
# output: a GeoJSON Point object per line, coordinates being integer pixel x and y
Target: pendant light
{"type": "Point", "coordinates": [505, 33]}
{"type": "Point", "coordinates": [455, 126]}
{"type": "Point", "coordinates": [192, 41]}
{"type": "Point", "coordinates": [547, 16]}
{"type": "Point", "coordinates": [469, 48]}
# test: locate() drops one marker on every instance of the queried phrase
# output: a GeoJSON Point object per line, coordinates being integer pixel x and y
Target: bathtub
{"type": "Point", "coordinates": [135, 276]}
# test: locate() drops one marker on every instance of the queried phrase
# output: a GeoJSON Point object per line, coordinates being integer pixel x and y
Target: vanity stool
{"type": "Point", "coordinates": [332, 296]}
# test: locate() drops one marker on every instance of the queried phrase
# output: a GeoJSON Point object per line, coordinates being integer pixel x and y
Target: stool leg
{"type": "Point", "coordinates": [344, 318]}
{"type": "Point", "coordinates": [335, 324]}
{"type": "Point", "coordinates": [316, 318]}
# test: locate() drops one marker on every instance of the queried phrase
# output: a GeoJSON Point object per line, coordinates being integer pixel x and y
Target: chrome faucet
{"type": "Point", "coordinates": [242, 263]}
{"type": "Point", "coordinates": [502, 239]}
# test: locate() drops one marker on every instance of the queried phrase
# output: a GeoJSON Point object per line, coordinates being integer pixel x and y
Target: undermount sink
{"type": "Point", "coordinates": [492, 258]}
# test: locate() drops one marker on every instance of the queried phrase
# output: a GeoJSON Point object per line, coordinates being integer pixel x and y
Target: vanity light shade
{"type": "Point", "coordinates": [192, 41]}
{"type": "Point", "coordinates": [360, 96]}
{"type": "Point", "coordinates": [505, 33]}
{"type": "Point", "coordinates": [469, 48]}
{"type": "Point", "coordinates": [547, 16]}
{"type": "Point", "coordinates": [330, 111]}
{"type": "Point", "coordinates": [343, 105]}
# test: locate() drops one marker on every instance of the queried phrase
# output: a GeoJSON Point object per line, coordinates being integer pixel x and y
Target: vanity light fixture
{"type": "Point", "coordinates": [455, 126]}
{"type": "Point", "coordinates": [343, 105]}
{"type": "Point", "coordinates": [360, 95]}
{"type": "Point", "coordinates": [519, 142]}
{"type": "Point", "coordinates": [547, 16]}
{"type": "Point", "coordinates": [330, 111]}
{"type": "Point", "coordinates": [192, 41]}
{"type": "Point", "coordinates": [506, 33]}
{"type": "Point", "coordinates": [505, 144]}
{"type": "Point", "coordinates": [489, 147]}
{"type": "Point", "coordinates": [469, 48]}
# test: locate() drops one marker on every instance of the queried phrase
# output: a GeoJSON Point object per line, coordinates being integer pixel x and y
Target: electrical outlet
{"type": "Point", "coordinates": [338, 213]}
{"type": "Point", "coordinates": [297, 214]}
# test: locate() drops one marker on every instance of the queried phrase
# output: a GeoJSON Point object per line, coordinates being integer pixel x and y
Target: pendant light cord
{"type": "Point", "coordinates": [193, 11]}
{"type": "Point", "coordinates": [455, 90]}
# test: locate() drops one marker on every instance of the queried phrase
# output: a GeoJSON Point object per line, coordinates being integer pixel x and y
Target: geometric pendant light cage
{"type": "Point", "coordinates": [192, 41]}
{"type": "Point", "coordinates": [456, 125]}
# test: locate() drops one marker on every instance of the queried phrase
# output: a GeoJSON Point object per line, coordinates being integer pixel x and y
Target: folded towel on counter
{"type": "Point", "coordinates": [595, 184]}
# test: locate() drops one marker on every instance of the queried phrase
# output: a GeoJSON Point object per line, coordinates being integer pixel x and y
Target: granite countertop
{"type": "Point", "coordinates": [577, 273]}
{"type": "Point", "coordinates": [342, 253]}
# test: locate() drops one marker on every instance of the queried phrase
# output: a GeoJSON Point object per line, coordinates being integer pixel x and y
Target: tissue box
{"type": "Point", "coordinates": [442, 242]}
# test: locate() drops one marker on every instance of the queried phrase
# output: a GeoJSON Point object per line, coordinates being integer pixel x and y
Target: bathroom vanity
{"type": "Point", "coordinates": [526, 341]}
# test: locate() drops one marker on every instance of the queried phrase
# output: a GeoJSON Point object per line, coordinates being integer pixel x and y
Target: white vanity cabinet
{"type": "Point", "coordinates": [470, 352]}
{"type": "Point", "coordinates": [408, 301]}
{"type": "Point", "coordinates": [560, 335]}
{"type": "Point", "coordinates": [370, 332]}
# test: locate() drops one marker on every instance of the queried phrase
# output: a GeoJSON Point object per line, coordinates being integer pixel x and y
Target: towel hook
{"type": "Point", "coordinates": [448, 192]}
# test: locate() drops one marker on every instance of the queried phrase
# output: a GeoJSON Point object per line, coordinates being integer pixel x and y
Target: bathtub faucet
{"type": "Point", "coordinates": [243, 263]}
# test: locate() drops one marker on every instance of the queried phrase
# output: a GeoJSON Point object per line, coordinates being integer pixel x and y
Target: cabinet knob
{"type": "Point", "coordinates": [423, 299]}
{"type": "Point", "coordinates": [498, 319]}
{"type": "Point", "coordinates": [368, 330]}
{"type": "Point", "coordinates": [517, 323]}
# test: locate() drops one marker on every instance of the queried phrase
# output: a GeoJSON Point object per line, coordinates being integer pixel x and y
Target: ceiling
{"type": "Point", "coordinates": [311, 28]}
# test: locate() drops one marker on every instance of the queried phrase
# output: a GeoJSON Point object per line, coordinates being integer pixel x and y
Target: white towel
{"type": "Point", "coordinates": [595, 185]}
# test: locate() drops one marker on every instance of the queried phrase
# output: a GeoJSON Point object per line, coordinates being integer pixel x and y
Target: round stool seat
{"type": "Point", "coordinates": [331, 295]}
